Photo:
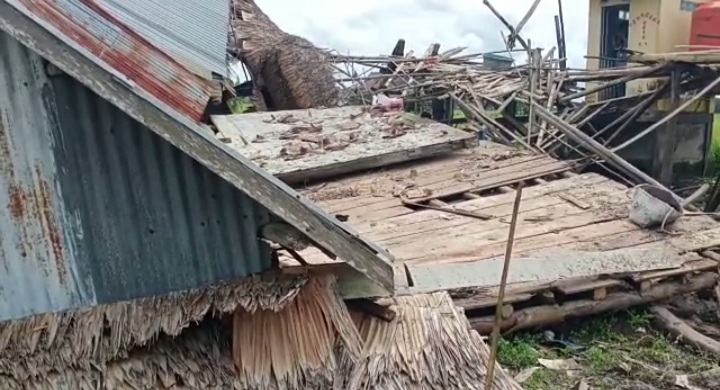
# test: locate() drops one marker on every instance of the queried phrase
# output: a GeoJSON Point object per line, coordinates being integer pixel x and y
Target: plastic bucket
{"type": "Point", "coordinates": [651, 207]}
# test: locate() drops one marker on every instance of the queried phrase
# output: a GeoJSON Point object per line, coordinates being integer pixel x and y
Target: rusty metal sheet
{"type": "Point", "coordinates": [199, 143]}
{"type": "Point", "coordinates": [95, 208]}
{"type": "Point", "coordinates": [193, 32]}
{"type": "Point", "coordinates": [101, 36]}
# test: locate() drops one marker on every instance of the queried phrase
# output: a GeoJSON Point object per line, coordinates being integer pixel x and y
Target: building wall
{"type": "Point", "coordinates": [94, 208]}
{"type": "Point", "coordinates": [656, 26]}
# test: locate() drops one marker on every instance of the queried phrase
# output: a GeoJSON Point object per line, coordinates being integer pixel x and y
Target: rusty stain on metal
{"type": "Point", "coordinates": [17, 199]}
{"type": "Point", "coordinates": [31, 205]}
{"type": "Point", "coordinates": [43, 198]}
{"type": "Point", "coordinates": [6, 163]}
{"type": "Point", "coordinates": [133, 56]}
{"type": "Point", "coordinates": [16, 202]}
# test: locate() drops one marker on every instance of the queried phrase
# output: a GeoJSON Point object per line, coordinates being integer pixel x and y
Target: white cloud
{"type": "Point", "coordinates": [371, 27]}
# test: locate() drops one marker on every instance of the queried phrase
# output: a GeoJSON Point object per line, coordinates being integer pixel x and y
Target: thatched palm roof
{"type": "Point", "coordinates": [293, 71]}
{"type": "Point", "coordinates": [93, 342]}
{"type": "Point", "coordinates": [284, 334]}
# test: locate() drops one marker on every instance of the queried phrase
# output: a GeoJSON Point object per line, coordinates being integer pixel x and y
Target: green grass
{"type": "Point", "coordinates": [239, 105]}
{"type": "Point", "coordinates": [612, 350]}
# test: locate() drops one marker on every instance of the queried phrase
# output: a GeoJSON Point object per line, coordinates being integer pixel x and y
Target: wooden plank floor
{"type": "Point", "coordinates": [559, 211]}
{"type": "Point", "coordinates": [301, 145]}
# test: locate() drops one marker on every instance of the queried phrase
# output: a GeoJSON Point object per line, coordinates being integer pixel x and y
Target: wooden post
{"type": "Point", "coordinates": [666, 137]}
{"type": "Point", "coordinates": [490, 373]}
{"type": "Point", "coordinates": [562, 49]}
{"type": "Point", "coordinates": [535, 60]}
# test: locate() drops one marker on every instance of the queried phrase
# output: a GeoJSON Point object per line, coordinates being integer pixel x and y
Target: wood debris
{"type": "Point", "coordinates": [538, 105]}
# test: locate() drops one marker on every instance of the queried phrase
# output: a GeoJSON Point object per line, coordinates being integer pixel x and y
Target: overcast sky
{"type": "Point", "coordinates": [371, 27]}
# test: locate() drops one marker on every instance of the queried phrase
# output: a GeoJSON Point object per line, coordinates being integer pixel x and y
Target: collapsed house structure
{"type": "Point", "coordinates": [133, 236]}
{"type": "Point", "coordinates": [138, 233]}
{"type": "Point", "coordinates": [402, 182]}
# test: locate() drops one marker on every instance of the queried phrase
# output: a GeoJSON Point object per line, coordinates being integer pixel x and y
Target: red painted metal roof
{"type": "Point", "coordinates": [88, 25]}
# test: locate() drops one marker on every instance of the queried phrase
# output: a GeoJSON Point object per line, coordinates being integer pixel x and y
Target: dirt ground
{"type": "Point", "coordinates": [616, 351]}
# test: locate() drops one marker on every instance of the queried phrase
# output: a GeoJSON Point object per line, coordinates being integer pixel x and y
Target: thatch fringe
{"type": "Point", "coordinates": [295, 73]}
{"type": "Point", "coordinates": [87, 338]}
{"type": "Point", "coordinates": [311, 343]}
{"type": "Point", "coordinates": [198, 359]}
{"type": "Point", "coordinates": [429, 346]}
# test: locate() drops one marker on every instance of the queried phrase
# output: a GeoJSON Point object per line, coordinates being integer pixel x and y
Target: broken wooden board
{"type": "Point", "coordinates": [303, 145]}
{"type": "Point", "coordinates": [550, 265]}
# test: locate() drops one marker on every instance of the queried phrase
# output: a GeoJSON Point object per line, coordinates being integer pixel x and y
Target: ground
{"type": "Point", "coordinates": [616, 351]}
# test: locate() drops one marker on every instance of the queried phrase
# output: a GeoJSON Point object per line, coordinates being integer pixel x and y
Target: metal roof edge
{"type": "Point", "coordinates": [198, 143]}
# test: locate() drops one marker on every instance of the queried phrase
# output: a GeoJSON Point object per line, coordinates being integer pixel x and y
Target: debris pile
{"type": "Point", "coordinates": [539, 104]}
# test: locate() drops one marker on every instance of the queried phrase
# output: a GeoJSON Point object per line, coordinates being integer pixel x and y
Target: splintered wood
{"type": "Point", "coordinates": [307, 144]}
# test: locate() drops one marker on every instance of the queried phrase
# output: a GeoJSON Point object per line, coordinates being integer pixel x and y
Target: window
{"type": "Point", "coordinates": [624, 15]}
{"type": "Point", "coordinates": [688, 6]}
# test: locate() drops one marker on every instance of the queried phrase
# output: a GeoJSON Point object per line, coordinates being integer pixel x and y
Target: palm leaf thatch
{"type": "Point", "coordinates": [290, 70]}
{"type": "Point", "coordinates": [287, 334]}
{"type": "Point", "coordinates": [80, 346]}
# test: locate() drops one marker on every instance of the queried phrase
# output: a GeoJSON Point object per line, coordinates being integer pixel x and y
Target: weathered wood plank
{"type": "Point", "coordinates": [338, 140]}
{"type": "Point", "coordinates": [543, 266]}
{"type": "Point", "coordinates": [382, 205]}
{"type": "Point", "coordinates": [472, 239]}
{"type": "Point", "coordinates": [536, 200]}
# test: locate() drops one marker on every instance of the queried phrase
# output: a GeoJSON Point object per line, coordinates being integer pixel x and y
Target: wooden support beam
{"type": "Point", "coordinates": [578, 136]}
{"type": "Point", "coordinates": [625, 79]}
{"type": "Point", "coordinates": [708, 88]}
{"type": "Point", "coordinates": [629, 117]}
{"type": "Point", "coordinates": [666, 138]}
{"type": "Point", "coordinates": [541, 316]}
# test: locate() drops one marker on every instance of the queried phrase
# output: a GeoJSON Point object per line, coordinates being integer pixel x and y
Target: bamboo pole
{"type": "Point", "coordinates": [490, 374]}
{"type": "Point", "coordinates": [578, 136]}
{"type": "Point", "coordinates": [609, 84]}
{"type": "Point", "coordinates": [630, 116]}
{"type": "Point", "coordinates": [669, 116]}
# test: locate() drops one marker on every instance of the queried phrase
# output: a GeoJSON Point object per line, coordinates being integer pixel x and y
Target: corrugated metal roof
{"type": "Point", "coordinates": [193, 32]}
{"type": "Point", "coordinates": [102, 37]}
{"type": "Point", "coordinates": [84, 40]}
{"type": "Point", "coordinates": [95, 208]}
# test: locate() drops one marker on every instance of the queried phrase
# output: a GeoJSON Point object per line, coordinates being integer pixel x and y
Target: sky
{"type": "Point", "coordinates": [371, 27]}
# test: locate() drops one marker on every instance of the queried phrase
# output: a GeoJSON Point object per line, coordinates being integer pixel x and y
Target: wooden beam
{"type": "Point", "coordinates": [202, 146]}
{"type": "Point", "coordinates": [609, 84]}
{"type": "Point", "coordinates": [710, 87]}
{"type": "Point", "coordinates": [630, 116]}
{"type": "Point", "coordinates": [693, 57]}
{"type": "Point", "coordinates": [666, 138]}
{"type": "Point", "coordinates": [578, 136]}
{"type": "Point", "coordinates": [542, 316]}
